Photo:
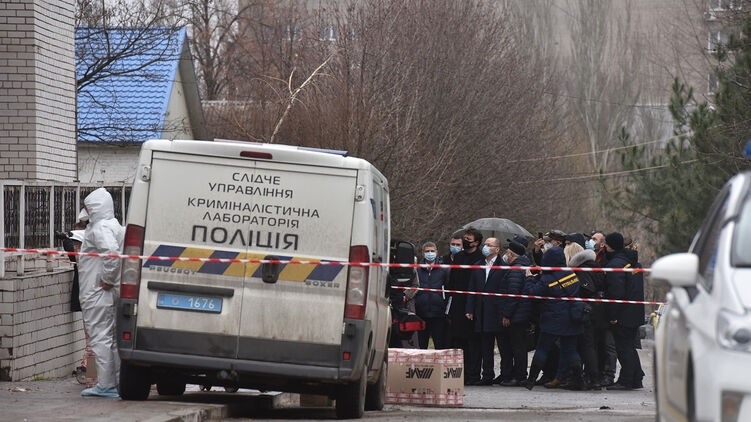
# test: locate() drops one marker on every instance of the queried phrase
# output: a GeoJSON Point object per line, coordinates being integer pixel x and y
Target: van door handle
{"type": "Point", "coordinates": [270, 272]}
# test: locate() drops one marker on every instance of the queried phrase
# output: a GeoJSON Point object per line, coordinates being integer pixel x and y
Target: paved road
{"type": "Point", "coordinates": [60, 400]}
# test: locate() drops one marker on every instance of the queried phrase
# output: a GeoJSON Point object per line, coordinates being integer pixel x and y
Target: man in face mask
{"type": "Point", "coordinates": [455, 246]}
{"type": "Point", "coordinates": [486, 311]}
{"type": "Point", "coordinates": [461, 330]}
{"type": "Point", "coordinates": [431, 306]}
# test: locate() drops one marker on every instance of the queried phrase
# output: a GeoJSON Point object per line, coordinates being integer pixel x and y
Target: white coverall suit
{"type": "Point", "coordinates": [103, 235]}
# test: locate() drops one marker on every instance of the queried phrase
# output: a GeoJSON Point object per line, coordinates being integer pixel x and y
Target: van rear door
{"type": "Point", "coordinates": [225, 209]}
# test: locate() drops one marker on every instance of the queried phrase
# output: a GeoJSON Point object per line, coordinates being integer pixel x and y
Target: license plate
{"type": "Point", "coordinates": [189, 303]}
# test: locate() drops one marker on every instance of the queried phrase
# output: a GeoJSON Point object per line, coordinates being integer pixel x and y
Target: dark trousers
{"type": "Point", "coordinates": [606, 354]}
{"type": "Point", "coordinates": [473, 358]}
{"type": "Point", "coordinates": [506, 349]}
{"type": "Point", "coordinates": [588, 352]}
{"type": "Point", "coordinates": [517, 334]}
{"type": "Point", "coordinates": [631, 372]}
{"type": "Point", "coordinates": [487, 352]}
{"type": "Point", "coordinates": [568, 354]}
{"type": "Point", "coordinates": [435, 328]}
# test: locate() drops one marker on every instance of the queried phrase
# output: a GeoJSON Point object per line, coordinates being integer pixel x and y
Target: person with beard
{"type": "Point", "coordinates": [556, 324]}
{"type": "Point", "coordinates": [624, 319]}
{"type": "Point", "coordinates": [461, 328]}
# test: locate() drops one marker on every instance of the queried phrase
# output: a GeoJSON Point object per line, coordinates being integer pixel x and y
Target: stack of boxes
{"type": "Point", "coordinates": [425, 377]}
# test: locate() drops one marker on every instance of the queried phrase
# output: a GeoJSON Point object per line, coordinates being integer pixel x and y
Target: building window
{"type": "Point", "coordinates": [713, 83]}
{"type": "Point", "coordinates": [327, 33]}
{"type": "Point", "coordinates": [718, 5]}
{"type": "Point", "coordinates": [716, 38]}
{"type": "Point", "coordinates": [292, 33]}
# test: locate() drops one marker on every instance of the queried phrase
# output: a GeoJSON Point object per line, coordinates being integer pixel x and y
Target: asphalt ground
{"type": "Point", "coordinates": [60, 400]}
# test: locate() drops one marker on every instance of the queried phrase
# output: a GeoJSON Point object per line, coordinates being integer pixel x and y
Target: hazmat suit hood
{"type": "Point", "coordinates": [99, 205]}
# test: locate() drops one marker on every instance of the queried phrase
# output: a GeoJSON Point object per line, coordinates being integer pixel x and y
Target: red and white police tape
{"type": "Point", "coordinates": [371, 264]}
{"type": "Point", "coordinates": [318, 262]}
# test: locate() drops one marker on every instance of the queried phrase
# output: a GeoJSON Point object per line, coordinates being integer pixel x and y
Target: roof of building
{"type": "Point", "coordinates": [125, 80]}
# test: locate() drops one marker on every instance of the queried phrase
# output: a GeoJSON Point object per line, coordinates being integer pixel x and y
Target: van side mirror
{"type": "Point", "coordinates": [270, 272]}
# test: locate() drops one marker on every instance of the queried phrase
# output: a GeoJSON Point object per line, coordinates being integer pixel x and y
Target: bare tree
{"type": "Point", "coordinates": [446, 112]}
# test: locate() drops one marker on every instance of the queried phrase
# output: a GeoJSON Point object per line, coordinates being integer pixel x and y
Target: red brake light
{"type": "Point", "coordinates": [357, 283]}
{"type": "Point", "coordinates": [253, 154]}
{"type": "Point", "coordinates": [130, 273]}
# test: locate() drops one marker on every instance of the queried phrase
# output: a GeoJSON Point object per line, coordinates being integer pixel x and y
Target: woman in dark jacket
{"type": "Point", "coordinates": [555, 321]}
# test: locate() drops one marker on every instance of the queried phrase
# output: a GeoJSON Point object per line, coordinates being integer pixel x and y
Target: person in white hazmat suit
{"type": "Point", "coordinates": [99, 280]}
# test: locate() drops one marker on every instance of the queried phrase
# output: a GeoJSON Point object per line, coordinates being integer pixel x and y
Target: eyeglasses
{"type": "Point", "coordinates": [490, 246]}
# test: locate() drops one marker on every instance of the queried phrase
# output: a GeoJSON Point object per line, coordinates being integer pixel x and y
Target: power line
{"type": "Point", "coordinates": [599, 175]}
{"type": "Point", "coordinates": [555, 157]}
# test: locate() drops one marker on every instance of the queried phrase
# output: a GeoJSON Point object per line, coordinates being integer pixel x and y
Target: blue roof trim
{"type": "Point", "coordinates": [125, 100]}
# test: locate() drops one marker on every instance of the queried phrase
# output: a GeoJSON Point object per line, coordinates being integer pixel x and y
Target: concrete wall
{"type": "Point", "coordinates": [37, 90]}
{"type": "Point", "coordinates": [39, 336]}
{"type": "Point", "coordinates": [106, 163]}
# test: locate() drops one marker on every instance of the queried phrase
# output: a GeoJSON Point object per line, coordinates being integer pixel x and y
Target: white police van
{"type": "Point", "coordinates": [215, 317]}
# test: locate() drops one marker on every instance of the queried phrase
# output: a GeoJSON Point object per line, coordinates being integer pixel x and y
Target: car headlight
{"type": "Point", "coordinates": [734, 331]}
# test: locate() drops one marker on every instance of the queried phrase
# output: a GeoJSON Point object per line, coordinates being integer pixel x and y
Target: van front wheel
{"type": "Point", "coordinates": [350, 399]}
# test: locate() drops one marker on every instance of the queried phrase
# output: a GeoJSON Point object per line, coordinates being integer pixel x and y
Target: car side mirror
{"type": "Point", "coordinates": [679, 270]}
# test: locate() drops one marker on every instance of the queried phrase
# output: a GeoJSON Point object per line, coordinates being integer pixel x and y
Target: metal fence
{"type": "Point", "coordinates": [34, 210]}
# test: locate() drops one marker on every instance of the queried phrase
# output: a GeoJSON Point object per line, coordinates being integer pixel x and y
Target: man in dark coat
{"type": "Point", "coordinates": [624, 319]}
{"type": "Point", "coordinates": [431, 306]}
{"type": "Point", "coordinates": [486, 311]}
{"type": "Point", "coordinates": [461, 329]}
{"type": "Point", "coordinates": [517, 313]}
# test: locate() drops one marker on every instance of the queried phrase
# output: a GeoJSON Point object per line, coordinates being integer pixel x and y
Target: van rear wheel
{"type": "Point", "coordinates": [170, 387]}
{"type": "Point", "coordinates": [375, 395]}
{"type": "Point", "coordinates": [135, 382]}
{"type": "Point", "coordinates": [350, 399]}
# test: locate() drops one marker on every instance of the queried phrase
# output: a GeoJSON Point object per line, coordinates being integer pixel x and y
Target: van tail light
{"type": "Point", "coordinates": [357, 283]}
{"type": "Point", "coordinates": [130, 272]}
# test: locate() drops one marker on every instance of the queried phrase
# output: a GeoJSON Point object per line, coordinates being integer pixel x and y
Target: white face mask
{"type": "Point", "coordinates": [547, 246]}
{"type": "Point", "coordinates": [504, 258]}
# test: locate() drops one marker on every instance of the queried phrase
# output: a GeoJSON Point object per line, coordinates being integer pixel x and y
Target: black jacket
{"type": "Point", "coordinates": [431, 304]}
{"type": "Point", "coordinates": [487, 311]}
{"type": "Point", "coordinates": [625, 286]}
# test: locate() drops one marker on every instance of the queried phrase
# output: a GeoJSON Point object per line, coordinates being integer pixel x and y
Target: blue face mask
{"type": "Point", "coordinates": [430, 256]}
{"type": "Point", "coordinates": [589, 244]}
{"type": "Point", "coordinates": [486, 250]}
{"type": "Point", "coordinates": [455, 249]}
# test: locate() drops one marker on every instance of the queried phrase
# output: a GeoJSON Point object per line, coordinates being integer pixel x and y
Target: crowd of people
{"type": "Point", "coordinates": [576, 343]}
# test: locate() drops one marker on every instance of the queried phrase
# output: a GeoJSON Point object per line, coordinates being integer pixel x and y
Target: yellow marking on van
{"type": "Point", "coordinates": [297, 272]}
{"type": "Point", "coordinates": [193, 253]}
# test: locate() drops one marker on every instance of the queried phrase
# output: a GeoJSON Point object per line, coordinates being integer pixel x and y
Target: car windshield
{"type": "Point", "coordinates": [742, 237]}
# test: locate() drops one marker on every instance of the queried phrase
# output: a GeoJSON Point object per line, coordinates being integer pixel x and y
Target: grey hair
{"type": "Point", "coordinates": [429, 244]}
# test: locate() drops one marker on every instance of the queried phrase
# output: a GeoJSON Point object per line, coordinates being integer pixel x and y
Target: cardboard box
{"type": "Point", "coordinates": [426, 377]}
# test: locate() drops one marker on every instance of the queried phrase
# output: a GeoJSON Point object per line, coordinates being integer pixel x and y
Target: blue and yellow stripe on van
{"type": "Point", "coordinates": [289, 272]}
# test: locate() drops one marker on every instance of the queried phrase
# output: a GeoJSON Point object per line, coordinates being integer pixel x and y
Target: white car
{"type": "Point", "coordinates": [703, 339]}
